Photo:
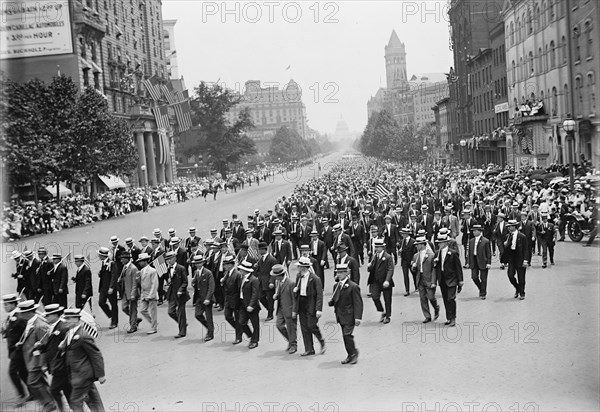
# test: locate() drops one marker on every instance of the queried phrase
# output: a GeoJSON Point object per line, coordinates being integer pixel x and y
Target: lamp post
{"type": "Point", "coordinates": [144, 174]}
{"type": "Point", "coordinates": [463, 144]}
{"type": "Point", "coordinates": [426, 154]}
{"type": "Point", "coordinates": [569, 127]}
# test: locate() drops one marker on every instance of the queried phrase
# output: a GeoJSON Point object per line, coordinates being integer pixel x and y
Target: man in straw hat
{"type": "Point", "coordinates": [449, 275]}
{"type": "Point", "coordinates": [203, 283]}
{"type": "Point", "coordinates": [177, 293]}
{"type": "Point", "coordinates": [84, 363]}
{"type": "Point", "coordinates": [107, 287]}
{"type": "Point", "coordinates": [515, 255]}
{"type": "Point", "coordinates": [286, 322]}
{"type": "Point", "coordinates": [480, 259]}
{"type": "Point", "coordinates": [60, 277]}
{"type": "Point", "coordinates": [425, 275]}
{"type": "Point", "coordinates": [148, 291]}
{"type": "Point", "coordinates": [12, 330]}
{"type": "Point", "coordinates": [35, 329]}
{"type": "Point", "coordinates": [348, 306]}
{"type": "Point", "coordinates": [381, 272]}
{"type": "Point", "coordinates": [83, 281]}
{"type": "Point", "coordinates": [308, 305]}
{"type": "Point", "coordinates": [130, 278]}
{"type": "Point", "coordinates": [250, 306]}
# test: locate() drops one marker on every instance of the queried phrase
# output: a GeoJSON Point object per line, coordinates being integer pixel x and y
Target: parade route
{"type": "Point", "coordinates": [538, 354]}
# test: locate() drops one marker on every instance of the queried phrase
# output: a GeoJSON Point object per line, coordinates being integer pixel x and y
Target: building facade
{"type": "Point", "coordinates": [169, 48]}
{"type": "Point", "coordinates": [552, 59]}
{"type": "Point", "coordinates": [271, 108]}
{"type": "Point", "coordinates": [115, 46]}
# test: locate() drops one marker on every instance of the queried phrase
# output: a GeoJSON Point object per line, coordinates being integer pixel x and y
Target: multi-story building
{"type": "Point", "coordinates": [442, 115]}
{"type": "Point", "coordinates": [470, 23]}
{"type": "Point", "coordinates": [552, 58]}
{"type": "Point", "coordinates": [271, 108]}
{"type": "Point", "coordinates": [427, 89]}
{"type": "Point", "coordinates": [169, 48]}
{"type": "Point", "coordinates": [110, 45]}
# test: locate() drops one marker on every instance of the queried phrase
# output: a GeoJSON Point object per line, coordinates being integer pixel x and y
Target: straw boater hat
{"type": "Point", "coordinates": [54, 308]}
{"type": "Point", "coordinates": [27, 306]}
{"type": "Point", "coordinates": [10, 298]}
{"type": "Point", "coordinates": [246, 266]}
{"type": "Point", "coordinates": [304, 262]}
{"type": "Point", "coordinates": [143, 256]}
{"type": "Point", "coordinates": [198, 260]}
{"type": "Point", "coordinates": [277, 270]}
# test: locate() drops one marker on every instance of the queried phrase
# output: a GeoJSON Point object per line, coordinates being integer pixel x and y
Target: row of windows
{"type": "Point", "coordinates": [483, 102]}
{"type": "Point", "coordinates": [500, 55]}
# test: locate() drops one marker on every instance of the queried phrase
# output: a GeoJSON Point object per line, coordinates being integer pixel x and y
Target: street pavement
{"type": "Point", "coordinates": [504, 354]}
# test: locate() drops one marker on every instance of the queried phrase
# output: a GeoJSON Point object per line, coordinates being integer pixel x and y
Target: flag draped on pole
{"type": "Point", "coordinates": [160, 265]}
{"type": "Point", "coordinates": [183, 113]}
{"type": "Point", "coordinates": [153, 86]}
{"type": "Point", "coordinates": [88, 322]}
{"type": "Point", "coordinates": [253, 253]}
{"type": "Point", "coordinates": [381, 190]}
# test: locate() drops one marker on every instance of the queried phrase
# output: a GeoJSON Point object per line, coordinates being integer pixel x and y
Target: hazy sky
{"type": "Point", "coordinates": [334, 49]}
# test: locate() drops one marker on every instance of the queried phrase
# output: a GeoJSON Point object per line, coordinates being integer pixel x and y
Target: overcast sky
{"type": "Point", "coordinates": [334, 49]}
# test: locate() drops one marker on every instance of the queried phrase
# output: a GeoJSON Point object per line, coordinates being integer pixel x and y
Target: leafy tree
{"type": "Point", "coordinates": [224, 143]}
{"type": "Point", "coordinates": [54, 134]}
{"type": "Point", "coordinates": [288, 145]}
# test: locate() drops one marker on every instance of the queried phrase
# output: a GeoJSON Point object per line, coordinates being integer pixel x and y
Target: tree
{"type": "Point", "coordinates": [409, 145]}
{"type": "Point", "coordinates": [54, 134]}
{"type": "Point", "coordinates": [287, 145]}
{"type": "Point", "coordinates": [224, 143]}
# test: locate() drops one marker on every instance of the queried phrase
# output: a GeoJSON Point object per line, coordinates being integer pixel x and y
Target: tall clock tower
{"type": "Point", "coordinates": [395, 63]}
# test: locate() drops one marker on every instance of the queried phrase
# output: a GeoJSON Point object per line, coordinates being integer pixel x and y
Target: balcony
{"type": "Point", "coordinates": [115, 84]}
{"type": "Point", "coordinates": [531, 119]}
{"type": "Point", "coordinates": [91, 18]}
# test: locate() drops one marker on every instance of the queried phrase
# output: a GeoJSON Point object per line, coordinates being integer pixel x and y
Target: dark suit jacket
{"type": "Point", "coordinates": [179, 283]}
{"type": "Point", "coordinates": [84, 360]}
{"type": "Point", "coordinates": [466, 230]}
{"type": "Point", "coordinates": [391, 239]}
{"type": "Point", "coordinates": [381, 270]}
{"type": "Point", "coordinates": [283, 254]}
{"type": "Point", "coordinates": [108, 276]}
{"type": "Point", "coordinates": [263, 235]}
{"type": "Point", "coordinates": [304, 234]}
{"type": "Point", "coordinates": [45, 274]}
{"type": "Point", "coordinates": [33, 274]}
{"type": "Point", "coordinates": [49, 345]}
{"type": "Point", "coordinates": [251, 292]}
{"type": "Point", "coordinates": [60, 277]}
{"type": "Point", "coordinates": [239, 233]}
{"type": "Point", "coordinates": [203, 283]}
{"type": "Point", "coordinates": [314, 294]}
{"type": "Point", "coordinates": [546, 233]}
{"type": "Point", "coordinates": [517, 256]}
{"type": "Point", "coordinates": [451, 273]}
{"type": "Point", "coordinates": [321, 251]}
{"type": "Point", "coordinates": [500, 235]}
{"type": "Point", "coordinates": [429, 273]}
{"type": "Point", "coordinates": [347, 302]}
{"type": "Point", "coordinates": [231, 288]}
{"type": "Point", "coordinates": [346, 241]}
{"type": "Point", "coordinates": [326, 235]}
{"type": "Point", "coordinates": [407, 251]}
{"type": "Point", "coordinates": [353, 267]}
{"type": "Point", "coordinates": [263, 271]}
{"type": "Point", "coordinates": [428, 224]}
{"type": "Point", "coordinates": [484, 253]}
{"type": "Point", "coordinates": [83, 282]}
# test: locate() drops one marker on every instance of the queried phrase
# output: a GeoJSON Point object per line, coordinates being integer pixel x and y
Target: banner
{"type": "Point", "coordinates": [33, 28]}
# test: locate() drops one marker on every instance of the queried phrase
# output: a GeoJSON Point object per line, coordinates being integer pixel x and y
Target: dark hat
{"type": "Point", "coordinates": [277, 270]}
{"type": "Point", "coordinates": [244, 246]}
{"type": "Point", "coordinates": [341, 247]}
{"type": "Point", "coordinates": [126, 255]}
{"type": "Point", "coordinates": [262, 245]}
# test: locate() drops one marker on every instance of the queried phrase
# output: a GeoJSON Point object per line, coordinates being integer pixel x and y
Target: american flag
{"type": "Point", "coordinates": [381, 190]}
{"type": "Point", "coordinates": [168, 92]}
{"type": "Point", "coordinates": [88, 322]}
{"type": "Point", "coordinates": [153, 87]}
{"type": "Point", "coordinates": [160, 265]}
{"type": "Point", "coordinates": [253, 253]}
{"type": "Point", "coordinates": [161, 115]}
{"type": "Point", "coordinates": [183, 113]}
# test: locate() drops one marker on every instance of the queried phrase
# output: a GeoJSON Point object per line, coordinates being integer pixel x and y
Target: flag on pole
{"type": "Point", "coordinates": [381, 191]}
{"type": "Point", "coordinates": [183, 113]}
{"type": "Point", "coordinates": [153, 87]}
{"type": "Point", "coordinates": [168, 92]}
{"type": "Point", "coordinates": [88, 322]}
{"type": "Point", "coordinates": [253, 253]}
{"type": "Point", "coordinates": [160, 265]}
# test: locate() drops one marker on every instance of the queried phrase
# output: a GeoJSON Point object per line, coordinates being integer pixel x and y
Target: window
{"type": "Point", "coordinates": [513, 72]}
{"type": "Point", "coordinates": [566, 109]}
{"type": "Point", "coordinates": [518, 30]}
{"type": "Point", "coordinates": [576, 36]}
{"type": "Point", "coordinates": [512, 33]}
{"type": "Point", "coordinates": [541, 61]}
{"type": "Point", "coordinates": [531, 71]}
{"type": "Point", "coordinates": [591, 85]}
{"type": "Point", "coordinates": [543, 14]}
{"type": "Point", "coordinates": [554, 102]}
{"type": "Point", "coordinates": [579, 109]}
{"type": "Point", "coordinates": [552, 54]}
{"type": "Point", "coordinates": [537, 17]}
{"type": "Point", "coordinates": [551, 11]}
{"type": "Point", "coordinates": [529, 22]}
{"type": "Point", "coordinates": [588, 38]}
{"type": "Point", "coordinates": [563, 46]}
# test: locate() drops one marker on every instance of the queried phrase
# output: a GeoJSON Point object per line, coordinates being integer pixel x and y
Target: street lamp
{"type": "Point", "coordinates": [144, 174]}
{"type": "Point", "coordinates": [463, 144]}
{"type": "Point", "coordinates": [569, 127]}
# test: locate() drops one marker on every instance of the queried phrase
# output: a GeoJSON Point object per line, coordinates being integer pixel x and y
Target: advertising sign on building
{"type": "Point", "coordinates": [500, 108]}
{"type": "Point", "coordinates": [32, 28]}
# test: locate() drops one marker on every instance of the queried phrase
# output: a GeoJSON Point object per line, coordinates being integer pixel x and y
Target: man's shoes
{"type": "Point", "coordinates": [561, 239]}
{"type": "Point", "coordinates": [308, 353]}
{"type": "Point", "coordinates": [482, 297]}
{"type": "Point", "coordinates": [368, 295]}
{"type": "Point", "coordinates": [544, 266]}
{"type": "Point", "coordinates": [447, 322]}
{"type": "Point", "coordinates": [293, 349]}
{"type": "Point", "coordinates": [516, 295]}
{"type": "Point", "coordinates": [406, 293]}
{"type": "Point", "coordinates": [235, 342]}
{"type": "Point", "coordinates": [436, 314]}
{"type": "Point", "coordinates": [386, 320]}
{"type": "Point", "coordinates": [160, 302]}
{"type": "Point", "coordinates": [354, 359]}
{"type": "Point", "coordinates": [131, 330]}
{"type": "Point", "coordinates": [150, 332]}
{"type": "Point", "coordinates": [347, 360]}
{"type": "Point", "coordinates": [323, 347]}
{"type": "Point", "coordinates": [179, 335]}
{"type": "Point", "coordinates": [501, 266]}
{"type": "Point", "coordinates": [586, 245]}
{"type": "Point", "coordinates": [253, 345]}
{"type": "Point", "coordinates": [452, 323]}
{"type": "Point", "coordinates": [139, 320]}
{"type": "Point", "coordinates": [270, 317]}
{"type": "Point", "coordinates": [382, 317]}
{"type": "Point", "coordinates": [208, 338]}
{"type": "Point", "coordinates": [552, 263]}
{"type": "Point", "coordinates": [112, 326]}
{"type": "Point", "coordinates": [465, 266]}
{"type": "Point", "coordinates": [522, 297]}
{"type": "Point", "coordinates": [427, 320]}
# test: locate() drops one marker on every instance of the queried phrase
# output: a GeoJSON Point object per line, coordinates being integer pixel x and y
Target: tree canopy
{"type": "Point", "coordinates": [224, 143]}
{"type": "Point", "coordinates": [288, 145]}
{"type": "Point", "coordinates": [54, 133]}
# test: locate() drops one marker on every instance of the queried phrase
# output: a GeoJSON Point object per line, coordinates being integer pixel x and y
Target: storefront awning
{"type": "Point", "coordinates": [112, 182]}
{"type": "Point", "coordinates": [62, 189]}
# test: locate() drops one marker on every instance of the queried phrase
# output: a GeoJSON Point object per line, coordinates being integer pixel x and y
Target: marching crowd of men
{"type": "Point", "coordinates": [361, 213]}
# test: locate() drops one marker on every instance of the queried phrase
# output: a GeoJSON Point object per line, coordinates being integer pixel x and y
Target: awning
{"type": "Point", "coordinates": [62, 189]}
{"type": "Point", "coordinates": [112, 182]}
